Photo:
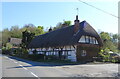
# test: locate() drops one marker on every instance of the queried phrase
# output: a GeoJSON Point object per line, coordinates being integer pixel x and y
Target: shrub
{"type": "Point", "coordinates": [52, 57]}
{"type": "Point", "coordinates": [36, 56]}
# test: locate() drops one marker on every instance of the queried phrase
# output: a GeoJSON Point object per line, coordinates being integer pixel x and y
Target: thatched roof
{"type": "Point", "coordinates": [64, 36]}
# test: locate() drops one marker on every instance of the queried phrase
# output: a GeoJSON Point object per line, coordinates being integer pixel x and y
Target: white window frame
{"type": "Point", "coordinates": [87, 39]}
{"type": "Point", "coordinates": [82, 39]}
{"type": "Point", "coordinates": [91, 40]}
{"type": "Point", "coordinates": [83, 53]}
{"type": "Point", "coordinates": [96, 42]}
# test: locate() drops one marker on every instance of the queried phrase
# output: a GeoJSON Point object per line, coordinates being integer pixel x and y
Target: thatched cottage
{"type": "Point", "coordinates": [78, 42]}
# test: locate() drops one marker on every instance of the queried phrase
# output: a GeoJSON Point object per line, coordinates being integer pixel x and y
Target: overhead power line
{"type": "Point", "coordinates": [99, 9]}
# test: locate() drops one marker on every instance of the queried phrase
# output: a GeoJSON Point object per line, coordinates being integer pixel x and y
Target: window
{"type": "Point", "coordinates": [83, 53]}
{"type": "Point", "coordinates": [94, 40]}
{"type": "Point", "coordinates": [91, 40]}
{"type": "Point", "coordinates": [82, 39]}
{"type": "Point", "coordinates": [87, 39]}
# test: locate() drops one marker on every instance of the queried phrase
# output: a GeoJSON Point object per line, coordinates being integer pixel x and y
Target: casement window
{"type": "Point", "coordinates": [83, 53]}
{"type": "Point", "coordinates": [88, 39]}
{"type": "Point", "coordinates": [69, 53]}
{"type": "Point", "coordinates": [96, 42]}
{"type": "Point", "coordinates": [82, 39]}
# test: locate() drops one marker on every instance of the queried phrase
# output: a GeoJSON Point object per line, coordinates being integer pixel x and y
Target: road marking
{"type": "Point", "coordinates": [11, 59]}
{"type": "Point", "coordinates": [23, 67]}
{"type": "Point", "coordinates": [33, 74]}
{"type": "Point", "coordinates": [6, 57]}
{"type": "Point", "coordinates": [15, 62]}
{"type": "Point", "coordinates": [20, 65]}
{"type": "Point", "coordinates": [29, 71]}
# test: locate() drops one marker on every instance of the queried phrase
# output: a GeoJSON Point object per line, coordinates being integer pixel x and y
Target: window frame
{"type": "Point", "coordinates": [88, 40]}
{"type": "Point", "coordinates": [83, 53]}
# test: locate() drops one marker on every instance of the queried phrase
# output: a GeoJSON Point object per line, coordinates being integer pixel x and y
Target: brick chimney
{"type": "Point", "coordinates": [76, 24]}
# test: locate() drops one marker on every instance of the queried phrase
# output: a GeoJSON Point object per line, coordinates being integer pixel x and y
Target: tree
{"type": "Point", "coordinates": [107, 42]}
{"type": "Point", "coordinates": [39, 30]}
{"type": "Point", "coordinates": [26, 38]}
{"type": "Point", "coordinates": [8, 45]}
{"type": "Point", "coordinates": [15, 32]}
{"type": "Point", "coordinates": [105, 36]}
{"type": "Point", "coordinates": [5, 36]}
{"type": "Point", "coordinates": [68, 23]}
{"type": "Point", "coordinates": [60, 24]}
{"type": "Point", "coordinates": [115, 37]}
{"type": "Point", "coordinates": [119, 41]}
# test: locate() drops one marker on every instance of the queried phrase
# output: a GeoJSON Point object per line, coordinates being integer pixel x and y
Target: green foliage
{"type": "Point", "coordinates": [104, 54]}
{"type": "Point", "coordinates": [16, 32]}
{"type": "Point", "coordinates": [107, 41]}
{"type": "Point", "coordinates": [8, 46]}
{"type": "Point", "coordinates": [60, 24]}
{"type": "Point", "coordinates": [39, 30]}
{"type": "Point", "coordinates": [26, 38]}
{"type": "Point", "coordinates": [115, 37]}
{"type": "Point", "coordinates": [5, 36]}
{"type": "Point", "coordinates": [68, 23]}
{"type": "Point", "coordinates": [109, 44]}
{"type": "Point", "coordinates": [40, 27]}
{"type": "Point", "coordinates": [36, 57]}
{"type": "Point", "coordinates": [105, 36]}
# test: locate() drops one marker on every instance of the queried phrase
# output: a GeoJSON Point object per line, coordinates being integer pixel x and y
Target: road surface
{"type": "Point", "coordinates": [15, 67]}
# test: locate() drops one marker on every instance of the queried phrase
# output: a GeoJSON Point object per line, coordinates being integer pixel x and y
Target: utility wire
{"type": "Point", "coordinates": [99, 9]}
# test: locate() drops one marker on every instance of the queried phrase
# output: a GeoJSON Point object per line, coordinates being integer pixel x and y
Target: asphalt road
{"type": "Point", "coordinates": [15, 67]}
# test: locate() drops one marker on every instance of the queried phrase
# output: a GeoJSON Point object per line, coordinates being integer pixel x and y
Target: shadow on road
{"type": "Point", "coordinates": [44, 64]}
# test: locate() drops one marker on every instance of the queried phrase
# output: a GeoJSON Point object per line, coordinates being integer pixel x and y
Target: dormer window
{"type": "Point", "coordinates": [91, 40]}
{"type": "Point", "coordinates": [94, 41]}
{"type": "Point", "coordinates": [88, 39]}
{"type": "Point", "coordinates": [82, 39]}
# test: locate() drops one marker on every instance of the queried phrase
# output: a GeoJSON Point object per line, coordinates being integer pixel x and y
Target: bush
{"type": "Point", "coordinates": [8, 46]}
{"type": "Point", "coordinates": [108, 57]}
{"type": "Point", "coordinates": [6, 51]}
{"type": "Point", "coordinates": [51, 57]}
{"type": "Point", "coordinates": [36, 56]}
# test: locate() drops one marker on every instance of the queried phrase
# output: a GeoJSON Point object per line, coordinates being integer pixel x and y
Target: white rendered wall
{"type": "Point", "coordinates": [72, 54]}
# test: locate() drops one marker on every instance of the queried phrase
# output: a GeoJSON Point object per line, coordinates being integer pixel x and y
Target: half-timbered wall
{"type": "Point", "coordinates": [68, 51]}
